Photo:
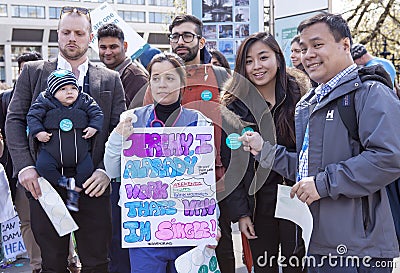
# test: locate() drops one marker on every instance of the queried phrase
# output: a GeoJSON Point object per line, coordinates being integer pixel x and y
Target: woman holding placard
{"type": "Point", "coordinates": [167, 79]}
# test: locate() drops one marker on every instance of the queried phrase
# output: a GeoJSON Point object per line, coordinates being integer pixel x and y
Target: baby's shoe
{"type": "Point", "coordinates": [63, 182]}
{"type": "Point", "coordinates": [73, 200]}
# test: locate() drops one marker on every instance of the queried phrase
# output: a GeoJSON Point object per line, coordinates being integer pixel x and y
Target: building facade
{"type": "Point", "coordinates": [28, 25]}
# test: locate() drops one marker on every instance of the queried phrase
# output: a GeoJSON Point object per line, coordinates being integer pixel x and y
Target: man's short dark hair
{"type": "Point", "coordinates": [337, 25]}
{"type": "Point", "coordinates": [28, 57]}
{"type": "Point", "coordinates": [187, 18]}
{"type": "Point", "coordinates": [110, 30]}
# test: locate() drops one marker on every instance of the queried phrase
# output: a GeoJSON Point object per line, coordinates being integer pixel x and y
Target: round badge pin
{"type": "Point", "coordinates": [232, 141]}
{"type": "Point", "coordinates": [247, 129]}
{"type": "Point", "coordinates": [60, 73]}
{"type": "Point", "coordinates": [66, 125]}
{"type": "Point", "coordinates": [206, 95]}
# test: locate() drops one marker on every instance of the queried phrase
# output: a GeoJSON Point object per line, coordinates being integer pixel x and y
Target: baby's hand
{"type": "Point", "coordinates": [90, 131]}
{"type": "Point", "coordinates": [43, 136]}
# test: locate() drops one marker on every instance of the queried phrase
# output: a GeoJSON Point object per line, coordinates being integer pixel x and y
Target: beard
{"type": "Point", "coordinates": [73, 54]}
{"type": "Point", "coordinates": [191, 55]}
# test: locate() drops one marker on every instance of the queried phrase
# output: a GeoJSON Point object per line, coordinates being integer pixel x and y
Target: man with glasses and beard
{"type": "Point", "coordinates": [94, 216]}
{"type": "Point", "coordinates": [203, 84]}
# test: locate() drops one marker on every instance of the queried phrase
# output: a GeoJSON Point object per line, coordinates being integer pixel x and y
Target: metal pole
{"type": "Point", "coordinates": [272, 17]}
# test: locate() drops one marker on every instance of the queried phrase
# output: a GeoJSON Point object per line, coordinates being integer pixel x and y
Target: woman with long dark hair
{"type": "Point", "coordinates": [260, 88]}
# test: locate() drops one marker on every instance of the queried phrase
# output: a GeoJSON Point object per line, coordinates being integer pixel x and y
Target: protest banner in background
{"type": "Point", "coordinates": [105, 14]}
{"type": "Point", "coordinates": [168, 193]}
{"type": "Point", "coordinates": [11, 237]}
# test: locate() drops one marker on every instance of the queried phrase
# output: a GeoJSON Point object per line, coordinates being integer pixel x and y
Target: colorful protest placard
{"type": "Point", "coordinates": [168, 192]}
{"type": "Point", "coordinates": [11, 237]}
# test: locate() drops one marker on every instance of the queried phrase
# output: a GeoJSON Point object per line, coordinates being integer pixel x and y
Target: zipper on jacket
{"type": "Point", "coordinates": [365, 212]}
{"type": "Point", "coordinates": [254, 194]}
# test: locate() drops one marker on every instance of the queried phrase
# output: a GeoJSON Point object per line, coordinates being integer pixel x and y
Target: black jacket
{"type": "Point", "coordinates": [241, 166]}
{"type": "Point", "coordinates": [47, 112]}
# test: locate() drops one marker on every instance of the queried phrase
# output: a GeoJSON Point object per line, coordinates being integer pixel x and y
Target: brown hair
{"type": "Point", "coordinates": [173, 59]}
{"type": "Point", "coordinates": [221, 59]}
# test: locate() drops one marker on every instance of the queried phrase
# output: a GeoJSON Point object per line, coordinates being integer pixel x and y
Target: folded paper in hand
{"type": "Point", "coordinates": [55, 209]}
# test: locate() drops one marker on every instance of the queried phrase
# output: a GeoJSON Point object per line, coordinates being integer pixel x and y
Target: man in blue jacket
{"type": "Point", "coordinates": [342, 180]}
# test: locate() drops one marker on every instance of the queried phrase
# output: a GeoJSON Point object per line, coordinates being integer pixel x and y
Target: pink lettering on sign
{"type": "Point", "coordinates": [168, 230]}
{"type": "Point", "coordinates": [199, 207]}
{"type": "Point", "coordinates": [204, 148]}
{"type": "Point", "coordinates": [151, 190]}
{"type": "Point", "coordinates": [159, 145]}
{"type": "Point", "coordinates": [138, 145]}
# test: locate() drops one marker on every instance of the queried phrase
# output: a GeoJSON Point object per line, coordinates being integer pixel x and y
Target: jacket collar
{"type": "Point", "coordinates": [94, 77]}
{"type": "Point", "coordinates": [346, 85]}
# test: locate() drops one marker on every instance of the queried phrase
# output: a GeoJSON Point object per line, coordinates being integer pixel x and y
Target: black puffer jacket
{"type": "Point", "coordinates": [46, 114]}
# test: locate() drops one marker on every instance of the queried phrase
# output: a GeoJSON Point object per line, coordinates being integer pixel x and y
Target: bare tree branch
{"type": "Point", "coordinates": [379, 23]}
{"type": "Point", "coordinates": [363, 12]}
{"type": "Point", "coordinates": [355, 11]}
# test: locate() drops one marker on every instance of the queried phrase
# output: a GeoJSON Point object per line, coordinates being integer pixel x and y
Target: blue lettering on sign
{"type": "Point", "coordinates": [15, 247]}
{"type": "Point", "coordinates": [155, 167]}
{"type": "Point", "coordinates": [152, 208]}
{"type": "Point", "coordinates": [135, 226]}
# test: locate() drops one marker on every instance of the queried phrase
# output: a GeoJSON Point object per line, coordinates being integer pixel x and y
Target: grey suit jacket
{"type": "Point", "coordinates": [105, 87]}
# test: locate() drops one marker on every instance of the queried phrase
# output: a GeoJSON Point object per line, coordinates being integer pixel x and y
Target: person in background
{"type": "Point", "coordinates": [260, 61]}
{"type": "Point", "coordinates": [363, 58]}
{"type": "Point", "coordinates": [295, 56]}
{"type": "Point", "coordinates": [341, 180]}
{"type": "Point", "coordinates": [295, 53]}
{"type": "Point", "coordinates": [112, 52]}
{"type": "Point", "coordinates": [218, 59]}
{"type": "Point", "coordinates": [167, 79]}
{"type": "Point", "coordinates": [104, 85]}
{"type": "Point", "coordinates": [18, 192]}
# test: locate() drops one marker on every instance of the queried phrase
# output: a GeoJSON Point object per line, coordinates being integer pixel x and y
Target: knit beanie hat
{"type": "Point", "coordinates": [357, 51]}
{"type": "Point", "coordinates": [60, 78]}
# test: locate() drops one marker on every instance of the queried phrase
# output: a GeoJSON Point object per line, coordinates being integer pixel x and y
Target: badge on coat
{"type": "Point", "coordinates": [66, 125]}
{"type": "Point", "coordinates": [206, 95]}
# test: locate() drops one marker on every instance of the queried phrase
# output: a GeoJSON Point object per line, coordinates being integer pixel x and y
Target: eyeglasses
{"type": "Point", "coordinates": [187, 37]}
{"type": "Point", "coordinates": [78, 10]}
